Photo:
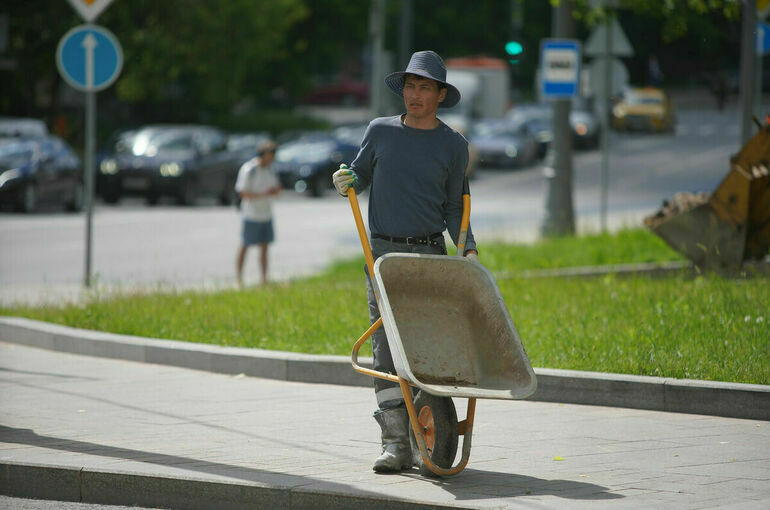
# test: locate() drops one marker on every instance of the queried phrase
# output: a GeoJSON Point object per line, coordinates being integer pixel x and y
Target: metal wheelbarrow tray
{"type": "Point", "coordinates": [448, 328]}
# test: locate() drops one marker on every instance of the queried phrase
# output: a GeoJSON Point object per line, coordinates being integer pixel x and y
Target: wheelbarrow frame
{"type": "Point", "coordinates": [465, 427]}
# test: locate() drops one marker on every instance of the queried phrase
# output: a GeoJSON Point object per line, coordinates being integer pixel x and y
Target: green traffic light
{"type": "Point", "coordinates": [513, 48]}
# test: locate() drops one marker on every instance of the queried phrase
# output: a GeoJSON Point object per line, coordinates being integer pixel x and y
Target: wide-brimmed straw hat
{"type": "Point", "coordinates": [427, 64]}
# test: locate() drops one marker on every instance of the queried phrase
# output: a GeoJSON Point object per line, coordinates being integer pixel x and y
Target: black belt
{"type": "Point", "coordinates": [429, 239]}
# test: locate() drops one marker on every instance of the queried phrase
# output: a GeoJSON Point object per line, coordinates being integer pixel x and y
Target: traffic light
{"type": "Point", "coordinates": [514, 49]}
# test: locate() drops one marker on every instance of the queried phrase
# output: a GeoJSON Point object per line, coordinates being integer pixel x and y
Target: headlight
{"type": "Point", "coordinates": [170, 169]}
{"type": "Point", "coordinates": [619, 111]}
{"type": "Point", "coordinates": [109, 167]}
{"type": "Point", "coordinates": [511, 151]}
{"type": "Point", "coordinates": [9, 175]}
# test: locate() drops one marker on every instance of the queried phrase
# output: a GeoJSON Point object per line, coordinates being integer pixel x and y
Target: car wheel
{"type": "Point", "coordinates": [188, 193]}
{"type": "Point", "coordinates": [152, 199]}
{"type": "Point", "coordinates": [28, 198]}
{"type": "Point", "coordinates": [78, 198]}
{"type": "Point", "coordinates": [318, 185]}
{"type": "Point", "coordinates": [111, 195]}
{"type": "Point", "coordinates": [228, 194]}
{"type": "Point", "coordinates": [438, 418]}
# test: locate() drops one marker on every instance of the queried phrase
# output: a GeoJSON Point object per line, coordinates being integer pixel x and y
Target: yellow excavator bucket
{"type": "Point", "coordinates": [720, 231]}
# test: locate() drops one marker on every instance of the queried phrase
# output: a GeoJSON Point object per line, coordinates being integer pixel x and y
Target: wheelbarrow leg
{"type": "Point", "coordinates": [466, 426]}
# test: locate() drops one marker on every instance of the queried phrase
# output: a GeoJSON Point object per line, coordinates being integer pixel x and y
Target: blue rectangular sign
{"type": "Point", "coordinates": [560, 68]}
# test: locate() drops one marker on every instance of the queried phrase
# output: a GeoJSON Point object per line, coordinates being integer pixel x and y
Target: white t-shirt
{"type": "Point", "coordinates": [256, 179]}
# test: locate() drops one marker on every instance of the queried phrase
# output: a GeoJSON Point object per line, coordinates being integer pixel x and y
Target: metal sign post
{"type": "Point", "coordinates": [89, 59]}
{"type": "Point", "coordinates": [560, 82]}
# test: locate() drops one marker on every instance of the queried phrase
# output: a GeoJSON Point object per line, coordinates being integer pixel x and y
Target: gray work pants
{"type": "Point", "coordinates": [389, 393]}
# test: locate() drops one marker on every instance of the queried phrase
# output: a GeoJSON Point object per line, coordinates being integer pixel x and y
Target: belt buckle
{"type": "Point", "coordinates": [411, 241]}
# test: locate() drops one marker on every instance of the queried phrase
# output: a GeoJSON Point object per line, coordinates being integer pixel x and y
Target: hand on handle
{"type": "Point", "coordinates": [343, 179]}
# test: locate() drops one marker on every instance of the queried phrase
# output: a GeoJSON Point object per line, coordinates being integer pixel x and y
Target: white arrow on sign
{"type": "Point", "coordinates": [89, 43]}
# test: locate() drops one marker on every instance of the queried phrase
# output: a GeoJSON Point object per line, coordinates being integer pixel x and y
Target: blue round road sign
{"type": "Point", "coordinates": [89, 58]}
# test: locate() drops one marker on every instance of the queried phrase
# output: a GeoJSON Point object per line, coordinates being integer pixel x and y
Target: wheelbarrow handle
{"type": "Point", "coordinates": [462, 238]}
{"type": "Point", "coordinates": [361, 230]}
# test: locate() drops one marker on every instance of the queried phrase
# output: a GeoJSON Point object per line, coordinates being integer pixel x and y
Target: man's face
{"type": "Point", "coordinates": [422, 96]}
{"type": "Point", "coordinates": [267, 158]}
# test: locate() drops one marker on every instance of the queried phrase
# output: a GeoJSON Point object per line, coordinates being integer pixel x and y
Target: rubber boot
{"type": "Point", "coordinates": [396, 448]}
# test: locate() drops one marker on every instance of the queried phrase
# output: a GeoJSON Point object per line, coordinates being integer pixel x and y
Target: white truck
{"type": "Point", "coordinates": [484, 85]}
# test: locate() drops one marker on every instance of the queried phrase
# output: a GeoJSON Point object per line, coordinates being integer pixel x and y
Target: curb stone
{"type": "Point", "coordinates": [62, 483]}
{"type": "Point", "coordinates": [734, 400]}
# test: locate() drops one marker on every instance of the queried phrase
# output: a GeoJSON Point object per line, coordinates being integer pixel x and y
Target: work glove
{"type": "Point", "coordinates": [473, 257]}
{"type": "Point", "coordinates": [343, 179]}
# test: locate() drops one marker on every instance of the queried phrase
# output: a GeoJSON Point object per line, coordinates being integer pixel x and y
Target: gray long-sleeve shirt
{"type": "Point", "coordinates": [416, 178]}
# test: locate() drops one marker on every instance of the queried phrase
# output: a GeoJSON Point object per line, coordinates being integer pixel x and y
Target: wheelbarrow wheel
{"type": "Point", "coordinates": [437, 418]}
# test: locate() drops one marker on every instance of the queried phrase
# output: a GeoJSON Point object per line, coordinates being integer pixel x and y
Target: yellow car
{"type": "Point", "coordinates": [643, 109]}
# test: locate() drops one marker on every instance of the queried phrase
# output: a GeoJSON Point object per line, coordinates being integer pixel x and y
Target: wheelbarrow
{"type": "Point", "coordinates": [450, 335]}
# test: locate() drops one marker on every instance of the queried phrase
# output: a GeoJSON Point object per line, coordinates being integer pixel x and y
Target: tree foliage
{"type": "Point", "coordinates": [188, 60]}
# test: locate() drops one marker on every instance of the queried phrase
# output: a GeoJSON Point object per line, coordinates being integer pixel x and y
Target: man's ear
{"type": "Point", "coordinates": [442, 95]}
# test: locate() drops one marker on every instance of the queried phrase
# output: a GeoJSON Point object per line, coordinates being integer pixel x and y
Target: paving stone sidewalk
{"type": "Point", "coordinates": [109, 431]}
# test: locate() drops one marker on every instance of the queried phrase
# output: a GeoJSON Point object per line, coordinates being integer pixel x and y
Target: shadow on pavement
{"type": "Point", "coordinates": [28, 437]}
{"type": "Point", "coordinates": [506, 485]}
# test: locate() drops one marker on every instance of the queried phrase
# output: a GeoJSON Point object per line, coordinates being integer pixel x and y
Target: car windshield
{"type": "Point", "coordinates": [246, 141]}
{"type": "Point", "coordinates": [305, 151]}
{"type": "Point", "coordinates": [495, 129]}
{"type": "Point", "coordinates": [171, 142]}
{"type": "Point", "coordinates": [124, 142]}
{"type": "Point", "coordinates": [636, 98]}
{"type": "Point", "coordinates": [149, 143]}
{"type": "Point", "coordinates": [15, 155]}
{"type": "Point", "coordinates": [351, 134]}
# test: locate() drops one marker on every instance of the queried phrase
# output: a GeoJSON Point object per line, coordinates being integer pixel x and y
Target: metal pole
{"type": "Point", "coordinates": [560, 215]}
{"type": "Point", "coordinates": [89, 175]}
{"type": "Point", "coordinates": [758, 73]}
{"type": "Point", "coordinates": [405, 34]}
{"type": "Point", "coordinates": [748, 34]}
{"type": "Point", "coordinates": [606, 125]}
{"type": "Point", "coordinates": [377, 34]}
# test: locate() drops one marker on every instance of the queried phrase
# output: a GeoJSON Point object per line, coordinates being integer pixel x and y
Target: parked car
{"type": "Point", "coordinates": [342, 91]}
{"type": "Point", "coordinates": [351, 133]}
{"type": "Point", "coordinates": [643, 109]}
{"type": "Point", "coordinates": [22, 127]}
{"type": "Point", "coordinates": [501, 143]}
{"type": "Point", "coordinates": [584, 124]}
{"type": "Point", "coordinates": [307, 163]}
{"type": "Point", "coordinates": [36, 170]}
{"type": "Point", "coordinates": [179, 161]}
{"type": "Point", "coordinates": [245, 144]}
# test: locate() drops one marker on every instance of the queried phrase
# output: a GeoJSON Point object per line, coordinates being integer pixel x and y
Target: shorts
{"type": "Point", "coordinates": [257, 232]}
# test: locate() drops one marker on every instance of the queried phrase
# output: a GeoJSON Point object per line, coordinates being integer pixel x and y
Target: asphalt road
{"type": "Point", "coordinates": [42, 256]}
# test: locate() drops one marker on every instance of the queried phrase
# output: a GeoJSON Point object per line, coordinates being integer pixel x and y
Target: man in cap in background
{"type": "Point", "coordinates": [256, 186]}
{"type": "Point", "coordinates": [414, 165]}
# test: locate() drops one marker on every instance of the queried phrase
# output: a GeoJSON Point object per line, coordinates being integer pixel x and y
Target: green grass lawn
{"type": "Point", "coordinates": [704, 327]}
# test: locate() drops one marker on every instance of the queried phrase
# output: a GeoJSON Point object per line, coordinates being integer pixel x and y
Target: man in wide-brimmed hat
{"type": "Point", "coordinates": [415, 165]}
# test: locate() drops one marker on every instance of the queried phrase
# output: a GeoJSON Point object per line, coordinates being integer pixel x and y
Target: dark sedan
{"type": "Point", "coordinates": [502, 144]}
{"type": "Point", "coordinates": [585, 126]}
{"type": "Point", "coordinates": [307, 163]}
{"type": "Point", "coordinates": [39, 170]}
{"type": "Point", "coordinates": [183, 162]}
